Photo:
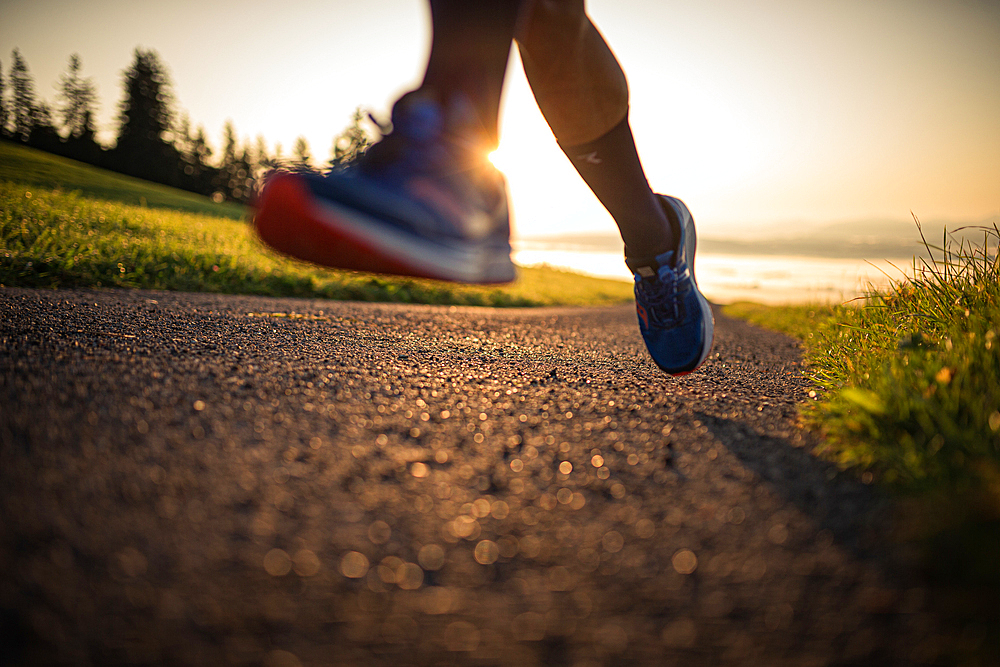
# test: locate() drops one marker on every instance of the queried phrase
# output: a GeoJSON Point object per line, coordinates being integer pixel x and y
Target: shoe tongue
{"type": "Point", "coordinates": [645, 271]}
{"type": "Point", "coordinates": [666, 259]}
{"type": "Point", "coordinates": [650, 268]}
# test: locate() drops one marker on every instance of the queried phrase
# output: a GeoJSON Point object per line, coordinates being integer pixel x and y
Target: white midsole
{"type": "Point", "coordinates": [472, 264]}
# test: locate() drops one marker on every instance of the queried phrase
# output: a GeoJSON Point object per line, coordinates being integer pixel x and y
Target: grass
{"type": "Point", "coordinates": [29, 166]}
{"type": "Point", "coordinates": [67, 224]}
{"type": "Point", "coordinates": [57, 239]}
{"type": "Point", "coordinates": [917, 375]}
{"type": "Point", "coordinates": [800, 321]}
{"type": "Point", "coordinates": [910, 397]}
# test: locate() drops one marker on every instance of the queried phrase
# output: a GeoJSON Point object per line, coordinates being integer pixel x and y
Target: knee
{"type": "Point", "coordinates": [548, 19]}
{"type": "Point", "coordinates": [559, 7]}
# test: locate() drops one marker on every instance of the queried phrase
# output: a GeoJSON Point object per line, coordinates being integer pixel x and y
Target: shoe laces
{"type": "Point", "coordinates": [398, 149]}
{"type": "Point", "coordinates": [663, 297]}
{"type": "Point", "coordinates": [425, 136]}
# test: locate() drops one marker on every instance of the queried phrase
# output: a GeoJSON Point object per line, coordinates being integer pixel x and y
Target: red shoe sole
{"type": "Point", "coordinates": [288, 221]}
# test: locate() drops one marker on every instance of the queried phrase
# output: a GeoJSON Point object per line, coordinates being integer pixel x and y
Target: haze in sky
{"type": "Point", "coordinates": [764, 116]}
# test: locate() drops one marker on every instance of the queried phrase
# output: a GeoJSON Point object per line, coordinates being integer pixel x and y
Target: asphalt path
{"type": "Point", "coordinates": [209, 479]}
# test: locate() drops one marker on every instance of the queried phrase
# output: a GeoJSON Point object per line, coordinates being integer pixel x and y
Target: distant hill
{"type": "Point", "coordinates": [21, 164]}
{"type": "Point", "coordinates": [857, 239]}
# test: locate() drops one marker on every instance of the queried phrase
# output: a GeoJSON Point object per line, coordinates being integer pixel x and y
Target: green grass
{"type": "Point", "coordinates": [802, 322]}
{"type": "Point", "coordinates": [914, 374]}
{"type": "Point", "coordinates": [911, 373]}
{"type": "Point", "coordinates": [910, 396]}
{"type": "Point", "coordinates": [86, 227]}
{"type": "Point", "coordinates": [20, 164]}
{"type": "Point", "coordinates": [58, 239]}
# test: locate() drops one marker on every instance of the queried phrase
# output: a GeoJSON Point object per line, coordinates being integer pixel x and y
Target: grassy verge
{"type": "Point", "coordinates": [911, 398]}
{"type": "Point", "coordinates": [57, 239]}
{"type": "Point", "coordinates": [29, 166]}
{"type": "Point", "coordinates": [802, 322]}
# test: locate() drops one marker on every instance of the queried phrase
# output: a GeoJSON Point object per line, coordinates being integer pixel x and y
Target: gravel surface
{"type": "Point", "coordinates": [211, 480]}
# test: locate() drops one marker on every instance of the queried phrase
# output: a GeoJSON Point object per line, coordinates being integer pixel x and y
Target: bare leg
{"type": "Point", "coordinates": [469, 53]}
{"type": "Point", "coordinates": [577, 81]}
{"type": "Point", "coordinates": [583, 94]}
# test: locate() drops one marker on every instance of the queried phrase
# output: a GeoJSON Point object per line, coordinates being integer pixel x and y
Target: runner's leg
{"type": "Point", "coordinates": [583, 94]}
{"type": "Point", "coordinates": [469, 54]}
{"type": "Point", "coordinates": [423, 201]}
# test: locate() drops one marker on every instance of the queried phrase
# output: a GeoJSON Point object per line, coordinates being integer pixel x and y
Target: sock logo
{"type": "Point", "coordinates": [590, 158]}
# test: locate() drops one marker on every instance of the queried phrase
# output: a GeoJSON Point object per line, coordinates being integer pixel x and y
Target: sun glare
{"type": "Point", "coordinates": [498, 158]}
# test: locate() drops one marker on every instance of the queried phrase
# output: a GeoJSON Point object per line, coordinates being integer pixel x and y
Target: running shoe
{"type": "Point", "coordinates": [424, 201]}
{"type": "Point", "coordinates": [674, 317]}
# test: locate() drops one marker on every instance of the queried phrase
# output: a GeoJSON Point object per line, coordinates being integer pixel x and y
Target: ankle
{"type": "Point", "coordinates": [427, 114]}
{"type": "Point", "coordinates": [653, 254]}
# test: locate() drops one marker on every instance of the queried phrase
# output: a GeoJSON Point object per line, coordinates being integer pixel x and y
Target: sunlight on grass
{"type": "Point", "coordinates": [914, 400]}
{"type": "Point", "coordinates": [800, 321]}
{"type": "Point", "coordinates": [915, 373]}
{"type": "Point", "coordinates": [55, 239]}
{"type": "Point", "coordinates": [29, 166]}
{"type": "Point", "coordinates": [909, 397]}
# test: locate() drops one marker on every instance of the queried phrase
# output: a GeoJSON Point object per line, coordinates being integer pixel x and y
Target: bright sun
{"type": "Point", "coordinates": [499, 159]}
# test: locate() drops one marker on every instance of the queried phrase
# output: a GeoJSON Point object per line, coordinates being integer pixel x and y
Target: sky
{"type": "Point", "coordinates": [766, 117]}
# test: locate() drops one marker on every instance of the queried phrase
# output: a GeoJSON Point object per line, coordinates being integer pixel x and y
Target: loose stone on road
{"type": "Point", "coordinates": [211, 479]}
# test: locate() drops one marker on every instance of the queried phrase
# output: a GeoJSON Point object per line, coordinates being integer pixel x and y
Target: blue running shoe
{"type": "Point", "coordinates": [424, 201]}
{"type": "Point", "coordinates": [674, 317]}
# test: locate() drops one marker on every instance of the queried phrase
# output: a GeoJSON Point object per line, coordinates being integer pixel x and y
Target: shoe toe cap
{"type": "Point", "coordinates": [681, 348]}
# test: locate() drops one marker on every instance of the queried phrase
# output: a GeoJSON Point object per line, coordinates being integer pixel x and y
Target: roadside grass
{"type": "Point", "coordinates": [915, 372]}
{"type": "Point", "coordinates": [799, 321]}
{"type": "Point", "coordinates": [30, 166]}
{"type": "Point", "coordinates": [64, 239]}
{"type": "Point", "coordinates": [910, 397]}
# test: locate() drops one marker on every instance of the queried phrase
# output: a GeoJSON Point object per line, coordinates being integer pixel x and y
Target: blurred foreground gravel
{"type": "Point", "coordinates": [218, 480]}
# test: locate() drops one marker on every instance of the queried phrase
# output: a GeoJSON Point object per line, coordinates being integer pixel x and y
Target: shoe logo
{"type": "Point", "coordinates": [590, 158]}
{"type": "Point", "coordinates": [642, 315]}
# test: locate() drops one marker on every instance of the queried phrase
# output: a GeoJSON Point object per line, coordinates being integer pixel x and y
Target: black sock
{"type": "Point", "coordinates": [611, 167]}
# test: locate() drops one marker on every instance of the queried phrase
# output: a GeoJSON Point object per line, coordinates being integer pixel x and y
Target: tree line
{"type": "Point", "coordinates": [154, 142]}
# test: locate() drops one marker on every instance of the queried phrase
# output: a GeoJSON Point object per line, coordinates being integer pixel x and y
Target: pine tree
{"type": "Point", "coordinates": [262, 161]}
{"type": "Point", "coordinates": [194, 153]}
{"type": "Point", "coordinates": [352, 142]}
{"type": "Point", "coordinates": [145, 119]}
{"type": "Point", "coordinates": [278, 160]}
{"type": "Point", "coordinates": [78, 99]}
{"type": "Point", "coordinates": [183, 140]}
{"type": "Point", "coordinates": [44, 134]}
{"type": "Point", "coordinates": [244, 173]}
{"type": "Point", "coordinates": [85, 147]}
{"type": "Point", "coordinates": [200, 149]}
{"type": "Point", "coordinates": [3, 104]}
{"type": "Point", "coordinates": [303, 158]}
{"type": "Point", "coordinates": [203, 174]}
{"type": "Point", "coordinates": [228, 158]}
{"type": "Point", "coordinates": [146, 110]}
{"type": "Point", "coordinates": [228, 183]}
{"type": "Point", "coordinates": [23, 98]}
{"type": "Point", "coordinates": [184, 144]}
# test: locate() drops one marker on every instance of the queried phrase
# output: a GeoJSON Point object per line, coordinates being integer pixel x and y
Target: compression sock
{"type": "Point", "coordinates": [610, 166]}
